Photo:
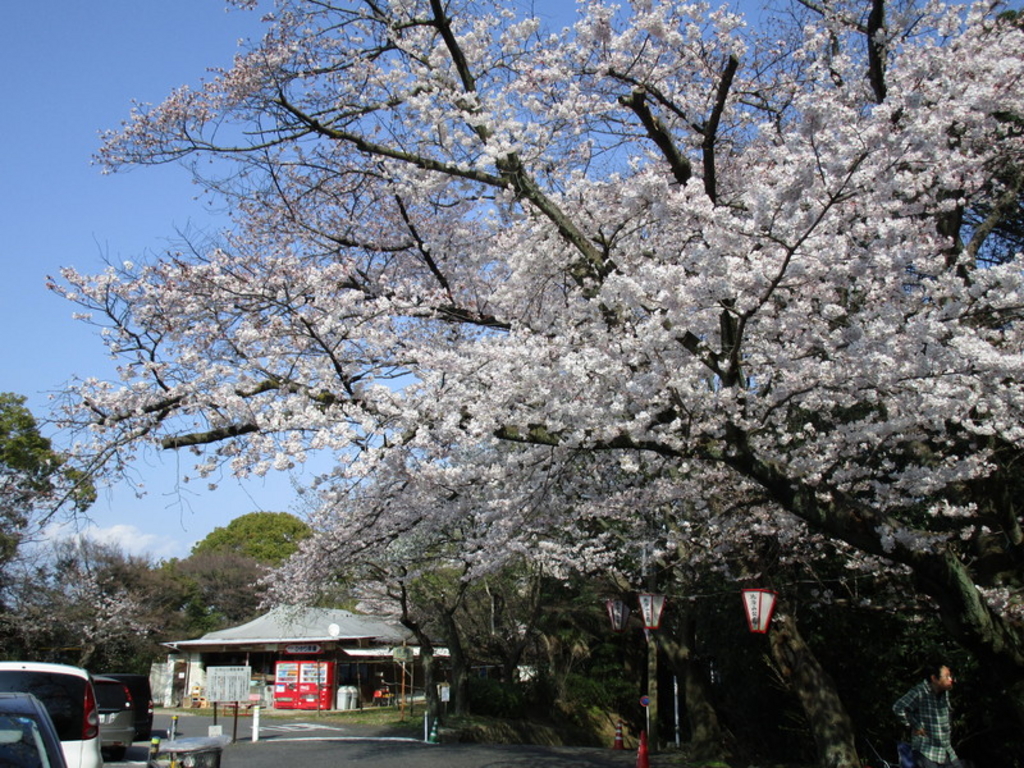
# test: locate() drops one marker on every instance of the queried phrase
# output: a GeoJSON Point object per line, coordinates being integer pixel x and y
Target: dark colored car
{"type": "Point", "coordinates": [142, 697]}
{"type": "Point", "coordinates": [69, 698]}
{"type": "Point", "coordinates": [117, 716]}
{"type": "Point", "coordinates": [27, 736]}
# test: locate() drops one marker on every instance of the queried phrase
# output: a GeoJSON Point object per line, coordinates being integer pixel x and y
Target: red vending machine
{"type": "Point", "coordinates": [304, 685]}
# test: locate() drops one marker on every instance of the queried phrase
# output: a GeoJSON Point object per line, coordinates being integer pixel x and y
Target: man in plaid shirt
{"type": "Point", "coordinates": [925, 710]}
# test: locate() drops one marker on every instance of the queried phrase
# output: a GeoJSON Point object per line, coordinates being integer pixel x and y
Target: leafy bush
{"type": "Point", "coordinates": [492, 698]}
{"type": "Point", "coordinates": [599, 690]}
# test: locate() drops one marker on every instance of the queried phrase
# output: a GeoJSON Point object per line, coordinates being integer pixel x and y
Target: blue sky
{"type": "Point", "coordinates": [72, 69]}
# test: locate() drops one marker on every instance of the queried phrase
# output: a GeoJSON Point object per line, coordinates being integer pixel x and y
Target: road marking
{"type": "Point", "coordinates": [300, 727]}
{"type": "Point", "coordinates": [406, 739]}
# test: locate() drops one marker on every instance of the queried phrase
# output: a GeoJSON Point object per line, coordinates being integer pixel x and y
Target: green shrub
{"type": "Point", "coordinates": [601, 692]}
{"type": "Point", "coordinates": [492, 698]}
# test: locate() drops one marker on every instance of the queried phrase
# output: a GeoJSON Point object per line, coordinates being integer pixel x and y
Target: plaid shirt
{"type": "Point", "coordinates": [920, 708]}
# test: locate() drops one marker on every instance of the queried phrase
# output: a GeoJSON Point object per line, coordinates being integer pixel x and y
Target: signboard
{"type": "Point", "coordinates": [303, 648]}
{"type": "Point", "coordinates": [228, 683]}
{"type": "Point", "coordinates": [402, 654]}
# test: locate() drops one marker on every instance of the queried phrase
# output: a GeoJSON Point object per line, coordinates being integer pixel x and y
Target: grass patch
{"type": "Point", "coordinates": [383, 717]}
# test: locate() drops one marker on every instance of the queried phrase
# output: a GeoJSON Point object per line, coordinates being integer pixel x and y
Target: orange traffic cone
{"type": "Point", "coordinates": [641, 753]}
{"type": "Point", "coordinates": [618, 737]}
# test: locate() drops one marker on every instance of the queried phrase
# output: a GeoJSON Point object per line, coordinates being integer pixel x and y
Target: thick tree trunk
{"type": "Point", "coordinates": [427, 660]}
{"type": "Point", "coordinates": [962, 609]}
{"type": "Point", "coordinates": [430, 682]}
{"type": "Point", "coordinates": [830, 725]}
{"type": "Point", "coordinates": [460, 684]}
{"type": "Point", "coordinates": [459, 665]}
{"type": "Point", "coordinates": [707, 741]}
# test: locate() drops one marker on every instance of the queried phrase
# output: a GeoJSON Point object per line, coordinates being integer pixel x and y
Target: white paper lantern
{"type": "Point", "coordinates": [651, 607]}
{"type": "Point", "coordinates": [618, 614]}
{"type": "Point", "coordinates": [759, 605]}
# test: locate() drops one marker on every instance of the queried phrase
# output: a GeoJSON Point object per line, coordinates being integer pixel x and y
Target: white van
{"type": "Point", "coordinates": [68, 695]}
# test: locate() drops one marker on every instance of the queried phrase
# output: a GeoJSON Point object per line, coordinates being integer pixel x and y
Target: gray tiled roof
{"type": "Point", "coordinates": [305, 625]}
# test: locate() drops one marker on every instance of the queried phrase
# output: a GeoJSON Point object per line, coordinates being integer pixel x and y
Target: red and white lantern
{"type": "Point", "coordinates": [759, 605]}
{"type": "Point", "coordinates": [651, 607]}
{"type": "Point", "coordinates": [618, 614]}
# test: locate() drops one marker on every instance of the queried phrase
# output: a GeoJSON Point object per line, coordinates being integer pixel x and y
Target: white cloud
{"type": "Point", "coordinates": [127, 538]}
{"type": "Point", "coordinates": [135, 542]}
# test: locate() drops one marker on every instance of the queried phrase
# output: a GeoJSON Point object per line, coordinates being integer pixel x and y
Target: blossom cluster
{"type": "Point", "coordinates": [471, 259]}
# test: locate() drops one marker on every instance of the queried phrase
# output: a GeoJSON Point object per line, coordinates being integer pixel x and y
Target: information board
{"type": "Point", "coordinates": [226, 684]}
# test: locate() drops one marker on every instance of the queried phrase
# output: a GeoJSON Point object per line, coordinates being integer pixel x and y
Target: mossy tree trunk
{"type": "Point", "coordinates": [827, 718]}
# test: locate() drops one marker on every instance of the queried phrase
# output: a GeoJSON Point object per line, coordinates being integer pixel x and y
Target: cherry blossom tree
{"type": "Point", "coordinates": [80, 603]}
{"type": "Point", "coordinates": [651, 235]}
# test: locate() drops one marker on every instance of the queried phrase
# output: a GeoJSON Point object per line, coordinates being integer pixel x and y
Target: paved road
{"type": "Point", "coordinates": [312, 744]}
{"type": "Point", "coordinates": [398, 754]}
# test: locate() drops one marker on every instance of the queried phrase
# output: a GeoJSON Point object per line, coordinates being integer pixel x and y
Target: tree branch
{"type": "Point", "coordinates": [877, 49]}
{"type": "Point", "coordinates": [211, 436]}
{"type": "Point", "coordinates": [658, 133]}
{"type": "Point", "coordinates": [710, 129]}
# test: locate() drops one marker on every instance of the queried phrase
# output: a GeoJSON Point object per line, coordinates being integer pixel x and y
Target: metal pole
{"type": "Point", "coordinates": [675, 691]}
{"type": "Point", "coordinates": [256, 723]}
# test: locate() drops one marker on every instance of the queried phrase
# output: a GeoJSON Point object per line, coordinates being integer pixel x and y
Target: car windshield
{"type": "Point", "coordinates": [21, 743]}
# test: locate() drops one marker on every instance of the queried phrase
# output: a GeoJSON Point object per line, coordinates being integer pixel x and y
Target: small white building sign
{"type": "Point", "coordinates": [305, 649]}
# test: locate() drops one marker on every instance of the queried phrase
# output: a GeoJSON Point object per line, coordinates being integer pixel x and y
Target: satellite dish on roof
{"type": "Point", "coordinates": [334, 630]}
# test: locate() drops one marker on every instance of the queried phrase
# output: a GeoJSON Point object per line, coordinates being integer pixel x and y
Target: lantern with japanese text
{"type": "Point", "coordinates": [651, 607]}
{"type": "Point", "coordinates": [759, 605]}
{"type": "Point", "coordinates": [618, 614]}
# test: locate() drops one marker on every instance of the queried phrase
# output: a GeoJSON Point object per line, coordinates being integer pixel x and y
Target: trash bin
{"type": "Point", "coordinates": [348, 697]}
{"type": "Point", "coordinates": [197, 752]}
